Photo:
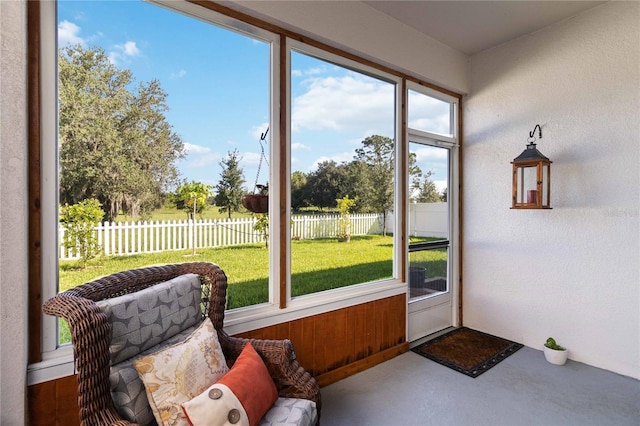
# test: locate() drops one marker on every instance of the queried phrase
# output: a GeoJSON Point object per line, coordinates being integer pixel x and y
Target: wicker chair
{"type": "Point", "coordinates": [90, 334]}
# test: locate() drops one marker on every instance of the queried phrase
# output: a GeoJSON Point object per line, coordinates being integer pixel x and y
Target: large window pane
{"type": "Point", "coordinates": [342, 155]}
{"type": "Point", "coordinates": [151, 100]}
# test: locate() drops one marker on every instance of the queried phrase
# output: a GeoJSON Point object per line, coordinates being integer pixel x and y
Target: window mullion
{"type": "Point", "coordinates": [282, 171]}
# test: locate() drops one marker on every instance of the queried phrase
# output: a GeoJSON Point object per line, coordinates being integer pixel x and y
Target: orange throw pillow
{"type": "Point", "coordinates": [247, 383]}
{"type": "Point", "coordinates": [249, 379]}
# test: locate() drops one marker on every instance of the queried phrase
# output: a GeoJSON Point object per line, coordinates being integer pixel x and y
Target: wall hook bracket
{"type": "Point", "coordinates": [533, 132]}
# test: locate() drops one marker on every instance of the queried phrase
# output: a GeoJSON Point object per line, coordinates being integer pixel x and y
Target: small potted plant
{"type": "Point", "coordinates": [554, 353]}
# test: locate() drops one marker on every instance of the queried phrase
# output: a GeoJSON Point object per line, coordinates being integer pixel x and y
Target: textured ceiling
{"type": "Point", "coordinates": [473, 26]}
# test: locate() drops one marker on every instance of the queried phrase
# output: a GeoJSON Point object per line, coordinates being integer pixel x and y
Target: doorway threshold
{"type": "Point", "coordinates": [430, 337]}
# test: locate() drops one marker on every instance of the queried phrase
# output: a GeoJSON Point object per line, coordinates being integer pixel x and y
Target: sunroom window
{"type": "Point", "coordinates": [142, 117]}
{"type": "Point", "coordinates": [343, 151]}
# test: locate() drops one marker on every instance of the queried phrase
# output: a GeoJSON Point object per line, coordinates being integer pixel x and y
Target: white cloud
{"type": "Point", "coordinates": [430, 154]}
{"type": "Point", "coordinates": [130, 49]}
{"type": "Point", "coordinates": [308, 71]}
{"type": "Point", "coordinates": [123, 52]}
{"type": "Point", "coordinates": [198, 156]}
{"type": "Point", "coordinates": [69, 34]}
{"type": "Point", "coordinates": [351, 102]}
{"type": "Point", "coordinates": [315, 71]}
{"type": "Point", "coordinates": [253, 159]}
{"type": "Point", "coordinates": [298, 146]}
{"type": "Point", "coordinates": [178, 74]}
{"type": "Point", "coordinates": [195, 149]}
{"type": "Point", "coordinates": [338, 158]}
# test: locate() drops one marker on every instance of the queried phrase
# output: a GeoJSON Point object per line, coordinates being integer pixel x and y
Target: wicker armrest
{"type": "Point", "coordinates": [90, 333]}
{"type": "Point", "coordinates": [291, 379]}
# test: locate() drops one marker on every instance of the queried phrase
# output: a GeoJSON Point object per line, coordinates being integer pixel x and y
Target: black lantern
{"type": "Point", "coordinates": [531, 177]}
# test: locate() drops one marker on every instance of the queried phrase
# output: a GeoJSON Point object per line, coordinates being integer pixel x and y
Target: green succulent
{"type": "Point", "coordinates": [551, 344]}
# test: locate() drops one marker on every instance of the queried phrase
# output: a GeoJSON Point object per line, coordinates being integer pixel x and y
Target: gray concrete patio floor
{"type": "Point", "coordinates": [524, 389]}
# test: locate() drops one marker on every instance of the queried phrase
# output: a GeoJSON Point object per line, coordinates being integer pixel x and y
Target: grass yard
{"type": "Point", "coordinates": [317, 265]}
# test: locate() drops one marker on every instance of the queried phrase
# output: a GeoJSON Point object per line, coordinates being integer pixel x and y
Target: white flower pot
{"type": "Point", "coordinates": [554, 356]}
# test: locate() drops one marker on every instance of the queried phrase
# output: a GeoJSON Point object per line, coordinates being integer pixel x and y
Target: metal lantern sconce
{"type": "Point", "coordinates": [531, 177]}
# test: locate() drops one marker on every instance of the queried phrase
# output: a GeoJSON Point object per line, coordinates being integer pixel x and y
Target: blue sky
{"type": "Point", "coordinates": [218, 90]}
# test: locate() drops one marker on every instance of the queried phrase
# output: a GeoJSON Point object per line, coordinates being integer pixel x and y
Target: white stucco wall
{"type": "Point", "coordinates": [572, 272]}
{"type": "Point", "coordinates": [13, 212]}
{"type": "Point", "coordinates": [360, 29]}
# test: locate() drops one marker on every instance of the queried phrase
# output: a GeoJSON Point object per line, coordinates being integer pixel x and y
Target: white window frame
{"type": "Point", "coordinates": [320, 54]}
{"type": "Point", "coordinates": [252, 317]}
{"type": "Point", "coordinates": [453, 144]}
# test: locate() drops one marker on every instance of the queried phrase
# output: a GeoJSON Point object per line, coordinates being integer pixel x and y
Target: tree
{"type": "Point", "coordinates": [323, 185]}
{"type": "Point", "coordinates": [299, 190]}
{"type": "Point", "coordinates": [115, 143]}
{"type": "Point", "coordinates": [377, 152]}
{"type": "Point", "coordinates": [355, 181]}
{"type": "Point", "coordinates": [344, 206]}
{"type": "Point", "coordinates": [79, 220]}
{"type": "Point", "coordinates": [428, 192]}
{"type": "Point", "coordinates": [192, 195]}
{"type": "Point", "coordinates": [229, 189]}
{"type": "Point", "coordinates": [193, 198]}
{"type": "Point", "coordinates": [415, 173]}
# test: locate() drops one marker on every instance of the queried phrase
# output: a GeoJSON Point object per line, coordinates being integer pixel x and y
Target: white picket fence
{"type": "Point", "coordinates": [124, 238]}
{"type": "Point", "coordinates": [425, 220]}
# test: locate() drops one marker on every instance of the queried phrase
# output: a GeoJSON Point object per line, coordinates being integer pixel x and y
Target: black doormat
{"type": "Point", "coordinates": [467, 351]}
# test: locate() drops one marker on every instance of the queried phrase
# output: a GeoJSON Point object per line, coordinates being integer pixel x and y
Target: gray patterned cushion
{"type": "Point", "coordinates": [142, 323]}
{"type": "Point", "coordinates": [291, 412]}
{"type": "Point", "coordinates": [148, 317]}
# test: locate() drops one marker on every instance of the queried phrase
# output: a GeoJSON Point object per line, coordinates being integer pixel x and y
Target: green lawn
{"type": "Point", "coordinates": [317, 265]}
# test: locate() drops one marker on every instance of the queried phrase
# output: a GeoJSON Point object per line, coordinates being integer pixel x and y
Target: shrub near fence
{"type": "Point", "coordinates": [128, 238]}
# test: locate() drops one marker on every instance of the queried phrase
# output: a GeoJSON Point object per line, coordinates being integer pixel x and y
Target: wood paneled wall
{"type": "Point", "coordinates": [330, 346]}
{"type": "Point", "coordinates": [337, 344]}
{"type": "Point", "coordinates": [54, 403]}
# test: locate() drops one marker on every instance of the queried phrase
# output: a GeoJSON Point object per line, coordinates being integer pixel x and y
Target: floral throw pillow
{"type": "Point", "coordinates": [180, 372]}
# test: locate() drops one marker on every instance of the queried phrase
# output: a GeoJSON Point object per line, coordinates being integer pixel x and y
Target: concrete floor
{"type": "Point", "coordinates": [524, 389]}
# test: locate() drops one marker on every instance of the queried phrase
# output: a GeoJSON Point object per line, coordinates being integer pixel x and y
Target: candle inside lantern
{"type": "Point", "coordinates": [532, 196]}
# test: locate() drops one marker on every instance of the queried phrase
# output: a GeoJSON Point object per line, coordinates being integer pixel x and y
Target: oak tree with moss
{"type": "Point", "coordinates": [115, 143]}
